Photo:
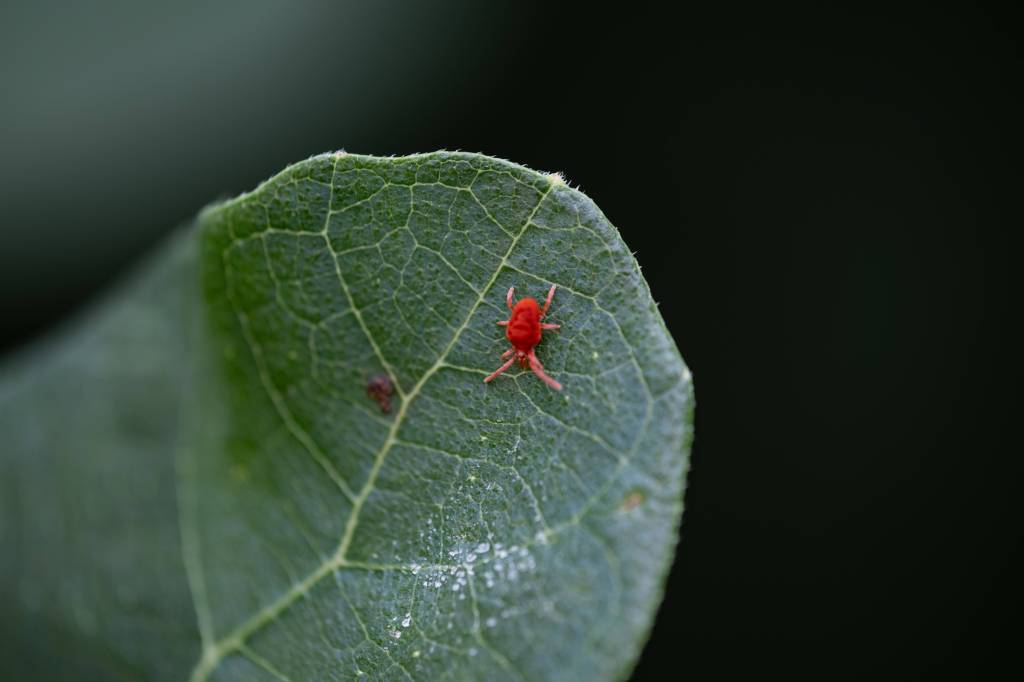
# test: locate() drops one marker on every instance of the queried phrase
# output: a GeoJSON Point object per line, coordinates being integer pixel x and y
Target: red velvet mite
{"type": "Point", "coordinates": [523, 329]}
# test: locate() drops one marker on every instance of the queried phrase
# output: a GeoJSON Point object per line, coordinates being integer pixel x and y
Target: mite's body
{"type": "Point", "coordinates": [523, 329]}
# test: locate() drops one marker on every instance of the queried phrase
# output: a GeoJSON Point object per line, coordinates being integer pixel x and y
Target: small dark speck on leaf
{"type": "Point", "coordinates": [631, 501]}
{"type": "Point", "coordinates": [380, 389]}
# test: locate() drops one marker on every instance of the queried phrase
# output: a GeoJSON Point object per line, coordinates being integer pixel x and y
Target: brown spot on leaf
{"type": "Point", "coordinates": [631, 501]}
{"type": "Point", "coordinates": [380, 389]}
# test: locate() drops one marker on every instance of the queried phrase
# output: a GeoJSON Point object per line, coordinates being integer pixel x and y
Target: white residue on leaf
{"type": "Point", "coordinates": [492, 561]}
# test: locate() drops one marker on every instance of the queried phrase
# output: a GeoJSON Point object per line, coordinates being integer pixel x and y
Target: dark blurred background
{"type": "Point", "coordinates": [823, 204]}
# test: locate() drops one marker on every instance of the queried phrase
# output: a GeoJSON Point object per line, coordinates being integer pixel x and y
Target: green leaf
{"type": "Point", "coordinates": [196, 484]}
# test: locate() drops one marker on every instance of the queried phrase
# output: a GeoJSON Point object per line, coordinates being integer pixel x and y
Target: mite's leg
{"type": "Point", "coordinates": [547, 325]}
{"type": "Point", "coordinates": [547, 303]}
{"type": "Point", "coordinates": [509, 352]}
{"type": "Point", "coordinates": [503, 323]}
{"type": "Point", "coordinates": [538, 369]}
{"type": "Point", "coordinates": [508, 299]}
{"type": "Point", "coordinates": [500, 369]}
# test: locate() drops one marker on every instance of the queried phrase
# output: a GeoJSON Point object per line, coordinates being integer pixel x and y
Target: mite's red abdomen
{"type": "Point", "coordinates": [523, 330]}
